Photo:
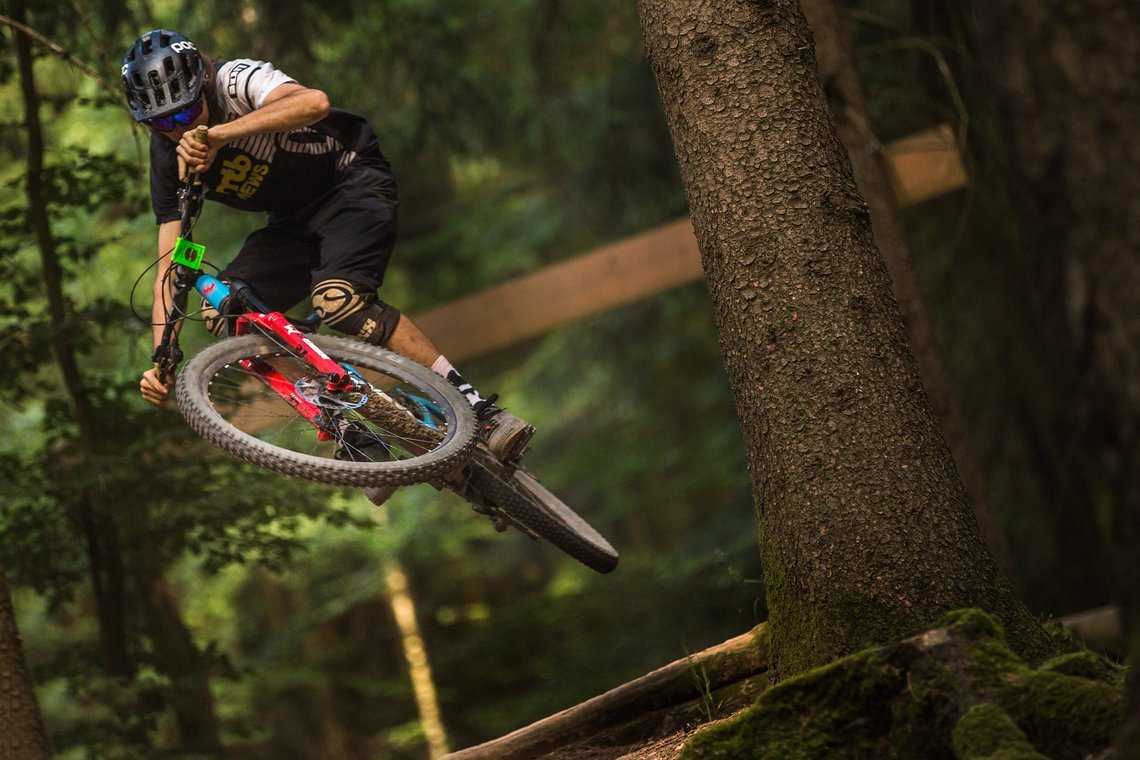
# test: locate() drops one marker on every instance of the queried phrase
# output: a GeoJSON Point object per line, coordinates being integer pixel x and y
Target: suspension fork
{"type": "Point", "coordinates": [275, 326]}
{"type": "Point", "coordinates": [268, 374]}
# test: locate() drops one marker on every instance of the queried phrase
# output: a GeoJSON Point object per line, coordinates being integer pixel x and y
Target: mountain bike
{"type": "Point", "coordinates": [339, 411]}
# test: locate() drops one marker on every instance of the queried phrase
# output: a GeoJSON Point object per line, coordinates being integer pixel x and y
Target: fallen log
{"type": "Point", "coordinates": [707, 681]}
{"type": "Point", "coordinates": [696, 690]}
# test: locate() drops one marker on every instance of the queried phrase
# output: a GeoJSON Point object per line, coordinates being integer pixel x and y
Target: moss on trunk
{"type": "Point", "coordinates": [957, 691]}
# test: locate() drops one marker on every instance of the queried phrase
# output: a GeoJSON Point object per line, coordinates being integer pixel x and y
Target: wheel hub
{"type": "Point", "coordinates": [315, 390]}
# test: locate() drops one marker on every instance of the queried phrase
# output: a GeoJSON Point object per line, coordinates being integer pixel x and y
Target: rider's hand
{"type": "Point", "coordinates": [192, 153]}
{"type": "Point", "coordinates": [153, 389]}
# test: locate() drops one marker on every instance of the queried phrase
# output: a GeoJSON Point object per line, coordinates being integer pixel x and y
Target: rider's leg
{"type": "Point", "coordinates": [356, 226]}
{"type": "Point", "coordinates": [351, 309]}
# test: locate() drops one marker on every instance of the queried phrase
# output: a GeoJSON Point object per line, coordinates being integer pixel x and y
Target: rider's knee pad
{"type": "Point", "coordinates": [343, 308]}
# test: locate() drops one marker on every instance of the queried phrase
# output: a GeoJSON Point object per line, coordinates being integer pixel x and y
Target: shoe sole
{"type": "Point", "coordinates": [515, 446]}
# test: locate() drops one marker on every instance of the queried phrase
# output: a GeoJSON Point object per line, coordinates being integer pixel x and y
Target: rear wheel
{"type": "Point", "coordinates": [527, 503]}
{"type": "Point", "coordinates": [400, 424]}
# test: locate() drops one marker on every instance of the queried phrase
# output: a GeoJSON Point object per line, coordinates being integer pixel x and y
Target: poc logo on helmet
{"type": "Point", "coordinates": [180, 47]}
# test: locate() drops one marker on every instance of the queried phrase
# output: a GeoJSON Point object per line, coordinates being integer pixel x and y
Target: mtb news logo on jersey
{"type": "Point", "coordinates": [241, 177]}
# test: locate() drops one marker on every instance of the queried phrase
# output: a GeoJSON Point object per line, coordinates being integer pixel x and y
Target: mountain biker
{"type": "Point", "coordinates": [276, 146]}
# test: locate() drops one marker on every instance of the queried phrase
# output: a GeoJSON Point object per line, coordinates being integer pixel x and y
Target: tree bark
{"type": "Point", "coordinates": [22, 732]}
{"type": "Point", "coordinates": [865, 531]}
{"type": "Point", "coordinates": [1064, 77]}
{"type": "Point", "coordinates": [839, 73]}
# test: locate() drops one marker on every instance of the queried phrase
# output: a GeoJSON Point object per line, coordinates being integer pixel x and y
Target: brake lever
{"type": "Point", "coordinates": [166, 357]}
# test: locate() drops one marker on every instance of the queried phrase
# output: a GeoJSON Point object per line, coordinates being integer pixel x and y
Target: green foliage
{"type": "Point", "coordinates": [521, 133]}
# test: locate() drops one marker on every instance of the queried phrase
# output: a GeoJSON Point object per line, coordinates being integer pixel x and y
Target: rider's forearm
{"type": "Point", "coordinates": [163, 287]}
{"type": "Point", "coordinates": [295, 108]}
{"type": "Point", "coordinates": [159, 313]}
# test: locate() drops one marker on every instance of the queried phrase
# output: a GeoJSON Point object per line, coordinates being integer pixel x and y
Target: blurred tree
{"type": "Point", "coordinates": [921, 66]}
{"type": "Point", "coordinates": [72, 495]}
{"type": "Point", "coordinates": [23, 736]}
{"type": "Point", "coordinates": [101, 531]}
{"type": "Point", "coordinates": [1063, 76]}
{"type": "Point", "coordinates": [865, 532]}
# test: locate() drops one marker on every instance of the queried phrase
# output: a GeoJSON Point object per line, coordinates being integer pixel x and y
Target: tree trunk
{"type": "Point", "coordinates": [176, 657]}
{"type": "Point", "coordinates": [865, 531]}
{"type": "Point", "coordinates": [415, 651]}
{"type": "Point", "coordinates": [95, 522]}
{"type": "Point", "coordinates": [839, 73]}
{"type": "Point", "coordinates": [1064, 77]}
{"type": "Point", "coordinates": [22, 733]}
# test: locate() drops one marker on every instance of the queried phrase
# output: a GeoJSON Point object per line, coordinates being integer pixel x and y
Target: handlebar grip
{"type": "Point", "coordinates": [200, 133]}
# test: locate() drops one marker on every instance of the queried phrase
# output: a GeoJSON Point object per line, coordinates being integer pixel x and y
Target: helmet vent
{"type": "Point", "coordinates": [158, 77]}
{"type": "Point", "coordinates": [157, 89]}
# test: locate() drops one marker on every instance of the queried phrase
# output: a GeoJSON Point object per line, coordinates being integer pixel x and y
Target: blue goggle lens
{"type": "Point", "coordinates": [184, 117]}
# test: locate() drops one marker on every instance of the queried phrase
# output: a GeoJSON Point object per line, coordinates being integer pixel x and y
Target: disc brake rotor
{"type": "Point", "coordinates": [315, 391]}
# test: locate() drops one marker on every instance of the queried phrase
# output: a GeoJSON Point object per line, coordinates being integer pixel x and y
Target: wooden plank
{"type": "Point", "coordinates": [926, 165]}
{"type": "Point", "coordinates": [532, 305]}
{"type": "Point", "coordinates": [923, 165]}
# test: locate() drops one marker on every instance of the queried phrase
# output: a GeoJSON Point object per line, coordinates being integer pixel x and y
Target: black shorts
{"type": "Point", "coordinates": [349, 236]}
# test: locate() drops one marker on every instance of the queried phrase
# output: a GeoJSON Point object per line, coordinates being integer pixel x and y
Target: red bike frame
{"type": "Point", "coordinates": [275, 323]}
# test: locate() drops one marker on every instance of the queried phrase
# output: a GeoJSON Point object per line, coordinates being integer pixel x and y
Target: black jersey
{"type": "Point", "coordinates": [284, 173]}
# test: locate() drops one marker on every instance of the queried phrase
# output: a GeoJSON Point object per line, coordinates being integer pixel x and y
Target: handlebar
{"type": "Point", "coordinates": [167, 354]}
{"type": "Point", "coordinates": [191, 195]}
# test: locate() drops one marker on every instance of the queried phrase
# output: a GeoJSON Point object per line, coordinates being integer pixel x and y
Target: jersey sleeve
{"type": "Point", "coordinates": [245, 83]}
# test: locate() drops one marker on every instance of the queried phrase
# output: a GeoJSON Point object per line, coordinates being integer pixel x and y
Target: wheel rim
{"type": "Point", "coordinates": [352, 428]}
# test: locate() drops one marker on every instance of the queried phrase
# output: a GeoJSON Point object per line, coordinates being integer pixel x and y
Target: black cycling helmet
{"type": "Point", "coordinates": [162, 73]}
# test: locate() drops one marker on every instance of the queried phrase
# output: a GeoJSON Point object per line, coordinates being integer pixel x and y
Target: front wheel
{"type": "Point", "coordinates": [401, 423]}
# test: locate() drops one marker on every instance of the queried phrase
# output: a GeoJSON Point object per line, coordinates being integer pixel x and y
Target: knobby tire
{"type": "Point", "coordinates": [526, 502]}
{"type": "Point", "coordinates": [241, 426]}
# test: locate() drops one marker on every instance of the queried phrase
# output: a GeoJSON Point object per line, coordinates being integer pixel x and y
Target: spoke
{"type": "Point", "coordinates": [243, 398]}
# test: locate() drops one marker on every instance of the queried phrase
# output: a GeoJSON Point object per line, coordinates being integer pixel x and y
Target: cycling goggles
{"type": "Point", "coordinates": [185, 118]}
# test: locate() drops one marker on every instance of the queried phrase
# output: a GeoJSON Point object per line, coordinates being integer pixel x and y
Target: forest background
{"type": "Point", "coordinates": [161, 587]}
